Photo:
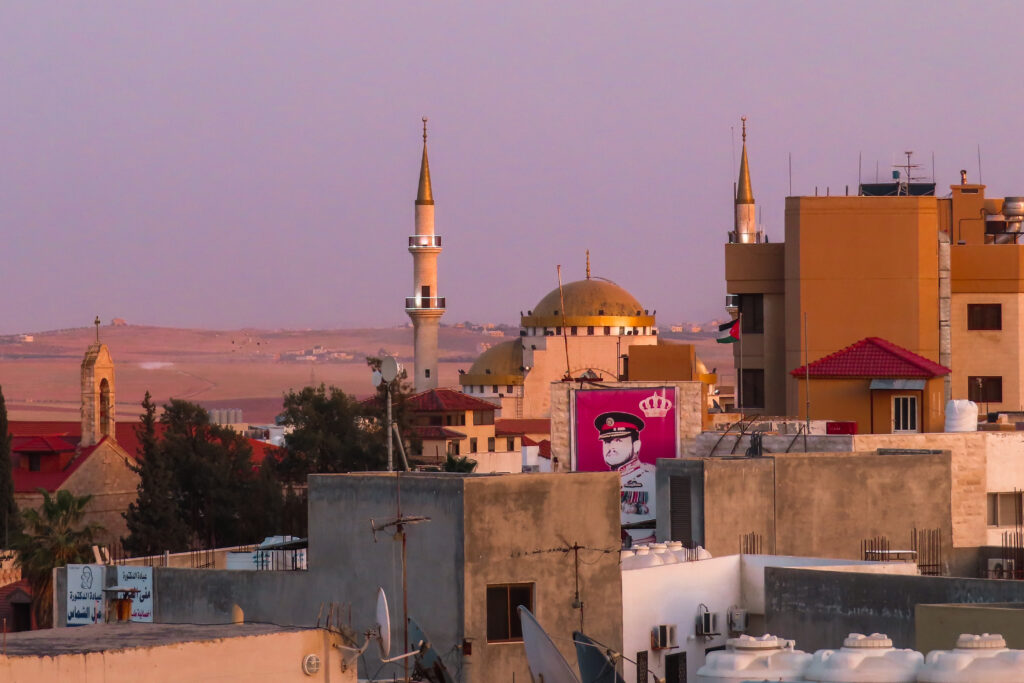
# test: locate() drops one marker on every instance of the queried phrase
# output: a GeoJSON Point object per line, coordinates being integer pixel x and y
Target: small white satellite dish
{"type": "Point", "coordinates": [383, 623]}
{"type": "Point", "coordinates": [377, 378]}
{"type": "Point", "coordinates": [389, 368]}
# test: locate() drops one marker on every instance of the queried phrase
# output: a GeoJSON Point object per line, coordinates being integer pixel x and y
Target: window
{"type": "Point", "coordinates": [680, 510]}
{"type": "Point", "coordinates": [904, 414]}
{"type": "Point", "coordinates": [984, 316]}
{"type": "Point", "coordinates": [753, 388]}
{"type": "Point", "coordinates": [425, 291]}
{"type": "Point", "coordinates": [510, 443]}
{"type": "Point", "coordinates": [483, 417]}
{"type": "Point", "coordinates": [453, 448]}
{"type": "Point", "coordinates": [472, 445]}
{"type": "Point", "coordinates": [607, 330]}
{"type": "Point", "coordinates": [494, 389]}
{"type": "Point", "coordinates": [751, 313]}
{"type": "Point", "coordinates": [490, 444]}
{"type": "Point", "coordinates": [508, 389]}
{"type": "Point", "coordinates": [590, 330]}
{"type": "Point", "coordinates": [502, 611]}
{"type": "Point", "coordinates": [558, 331]}
{"type": "Point", "coordinates": [34, 462]}
{"type": "Point", "coordinates": [434, 421]}
{"type": "Point", "coordinates": [1004, 509]}
{"type": "Point", "coordinates": [985, 389]}
{"type": "Point", "coordinates": [426, 373]}
{"type": "Point", "coordinates": [572, 331]}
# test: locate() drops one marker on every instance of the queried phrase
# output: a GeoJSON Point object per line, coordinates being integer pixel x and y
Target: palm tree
{"type": "Point", "coordinates": [454, 463]}
{"type": "Point", "coordinates": [53, 537]}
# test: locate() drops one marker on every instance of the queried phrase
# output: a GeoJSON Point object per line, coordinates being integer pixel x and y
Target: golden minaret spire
{"type": "Point", "coordinates": [744, 193]}
{"type": "Point", "coordinates": [424, 195]}
{"type": "Point", "coordinates": [588, 264]}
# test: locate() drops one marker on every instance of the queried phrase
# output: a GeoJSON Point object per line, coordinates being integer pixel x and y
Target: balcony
{"type": "Point", "coordinates": [424, 241]}
{"type": "Point", "coordinates": [424, 303]}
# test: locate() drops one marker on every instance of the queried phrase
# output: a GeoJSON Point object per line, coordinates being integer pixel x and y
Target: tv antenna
{"type": "Point", "coordinates": [908, 169]}
{"type": "Point", "coordinates": [399, 522]}
{"type": "Point", "coordinates": [389, 371]}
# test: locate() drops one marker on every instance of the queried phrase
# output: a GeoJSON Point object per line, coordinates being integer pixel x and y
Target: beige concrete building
{"type": "Point", "coordinates": [157, 653]}
{"type": "Point", "coordinates": [425, 307]}
{"type": "Point", "coordinates": [824, 502]}
{"type": "Point", "coordinates": [942, 277]}
{"type": "Point", "coordinates": [447, 422]}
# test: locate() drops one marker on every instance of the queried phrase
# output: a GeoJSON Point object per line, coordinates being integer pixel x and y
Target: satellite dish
{"type": "Point", "coordinates": [389, 368]}
{"type": "Point", "coordinates": [546, 662]}
{"type": "Point", "coordinates": [383, 621]}
{"type": "Point", "coordinates": [377, 378]}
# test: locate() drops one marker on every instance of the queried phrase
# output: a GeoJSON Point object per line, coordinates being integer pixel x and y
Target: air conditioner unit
{"type": "Point", "coordinates": [663, 637]}
{"type": "Point", "coordinates": [737, 619]}
{"type": "Point", "coordinates": [998, 568]}
{"type": "Point", "coordinates": [707, 624]}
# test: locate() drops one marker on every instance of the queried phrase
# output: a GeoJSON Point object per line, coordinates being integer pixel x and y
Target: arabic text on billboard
{"type": "Point", "coordinates": [85, 594]}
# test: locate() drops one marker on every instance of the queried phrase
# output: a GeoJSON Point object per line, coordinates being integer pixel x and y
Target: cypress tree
{"type": "Point", "coordinates": [9, 517]}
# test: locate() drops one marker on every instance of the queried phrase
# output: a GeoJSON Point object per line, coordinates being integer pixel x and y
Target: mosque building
{"type": "Point", "coordinates": [583, 329]}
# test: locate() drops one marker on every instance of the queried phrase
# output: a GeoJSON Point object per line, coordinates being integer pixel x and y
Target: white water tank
{"type": "Point", "coordinates": [626, 558]}
{"type": "Point", "coordinates": [662, 551]}
{"type": "Point", "coordinates": [703, 554]}
{"type": "Point", "coordinates": [976, 659]}
{"type": "Point", "coordinates": [961, 416]}
{"type": "Point", "coordinates": [865, 659]}
{"type": "Point", "coordinates": [644, 558]}
{"type": "Point", "coordinates": [746, 658]}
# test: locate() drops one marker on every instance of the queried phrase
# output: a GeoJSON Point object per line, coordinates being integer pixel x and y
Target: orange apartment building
{"type": "Point", "coordinates": [939, 277]}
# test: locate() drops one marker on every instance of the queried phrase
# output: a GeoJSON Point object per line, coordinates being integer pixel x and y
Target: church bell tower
{"type": "Point", "coordinates": [97, 393]}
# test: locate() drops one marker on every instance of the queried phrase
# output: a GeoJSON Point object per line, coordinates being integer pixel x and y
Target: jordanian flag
{"type": "Point", "coordinates": [731, 330]}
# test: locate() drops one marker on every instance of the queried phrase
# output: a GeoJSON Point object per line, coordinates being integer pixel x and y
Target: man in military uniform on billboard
{"type": "Point", "coordinates": [619, 433]}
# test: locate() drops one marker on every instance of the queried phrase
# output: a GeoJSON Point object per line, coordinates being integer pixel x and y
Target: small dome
{"type": "Point", "coordinates": [500, 364]}
{"type": "Point", "coordinates": [588, 302]}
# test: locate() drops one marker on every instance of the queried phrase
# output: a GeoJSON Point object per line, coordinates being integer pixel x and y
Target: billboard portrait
{"type": "Point", "coordinates": [627, 430]}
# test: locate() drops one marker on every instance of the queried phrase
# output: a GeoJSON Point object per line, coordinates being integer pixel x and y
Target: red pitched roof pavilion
{"type": "Point", "coordinates": [873, 357]}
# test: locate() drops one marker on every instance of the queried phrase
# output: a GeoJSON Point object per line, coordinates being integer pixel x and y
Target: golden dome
{"type": "Point", "coordinates": [588, 302]}
{"type": "Point", "coordinates": [500, 364]}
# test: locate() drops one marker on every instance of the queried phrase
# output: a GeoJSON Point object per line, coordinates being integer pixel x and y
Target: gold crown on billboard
{"type": "Point", "coordinates": [655, 405]}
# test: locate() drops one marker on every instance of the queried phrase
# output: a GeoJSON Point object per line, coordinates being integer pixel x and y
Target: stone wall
{"type": "Point", "coordinates": [819, 608]}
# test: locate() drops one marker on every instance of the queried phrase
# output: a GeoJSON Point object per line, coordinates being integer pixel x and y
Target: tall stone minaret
{"type": "Point", "coordinates": [425, 307]}
{"type": "Point", "coordinates": [745, 230]}
{"type": "Point", "coordinates": [97, 409]}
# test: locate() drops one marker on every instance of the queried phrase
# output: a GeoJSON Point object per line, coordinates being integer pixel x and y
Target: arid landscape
{"type": "Point", "coordinates": [248, 369]}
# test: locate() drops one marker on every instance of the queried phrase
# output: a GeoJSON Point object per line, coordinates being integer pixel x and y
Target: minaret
{"type": "Point", "coordinates": [425, 307]}
{"type": "Point", "coordinates": [745, 229]}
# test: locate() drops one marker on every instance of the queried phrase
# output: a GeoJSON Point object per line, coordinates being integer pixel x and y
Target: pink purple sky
{"type": "Point", "coordinates": [249, 163]}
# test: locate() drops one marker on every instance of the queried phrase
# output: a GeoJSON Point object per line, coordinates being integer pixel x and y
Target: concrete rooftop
{"type": "Point", "coordinates": [108, 637]}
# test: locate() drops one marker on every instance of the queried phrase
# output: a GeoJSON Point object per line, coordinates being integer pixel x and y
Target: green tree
{"type": "Point", "coordinates": [54, 537]}
{"type": "Point", "coordinates": [153, 520]}
{"type": "Point", "coordinates": [203, 476]}
{"type": "Point", "coordinates": [330, 434]}
{"type": "Point", "coordinates": [10, 520]}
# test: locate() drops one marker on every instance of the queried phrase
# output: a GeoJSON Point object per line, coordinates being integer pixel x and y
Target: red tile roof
{"type": "Point", "coordinates": [43, 444]}
{"type": "Point", "coordinates": [876, 358]}
{"type": "Point", "coordinates": [545, 449]}
{"type": "Point", "coordinates": [26, 481]}
{"type": "Point", "coordinates": [8, 591]}
{"type": "Point", "coordinates": [510, 426]}
{"type": "Point", "coordinates": [35, 433]}
{"type": "Point", "coordinates": [435, 432]}
{"type": "Point", "coordinates": [437, 400]}
{"type": "Point", "coordinates": [527, 441]}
